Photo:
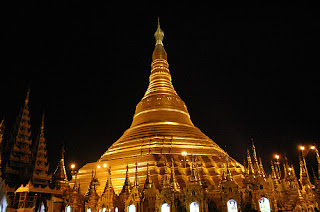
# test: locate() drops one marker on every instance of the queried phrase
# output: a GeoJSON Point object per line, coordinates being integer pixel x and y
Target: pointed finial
{"type": "Point", "coordinates": [27, 98]}
{"type": "Point", "coordinates": [159, 34]}
{"type": "Point", "coordinates": [42, 122]}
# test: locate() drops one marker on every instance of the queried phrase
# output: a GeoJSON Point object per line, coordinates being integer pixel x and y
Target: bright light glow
{"type": "Point", "coordinates": [264, 205]}
{"type": "Point", "coordinates": [290, 169]}
{"type": "Point", "coordinates": [194, 207]}
{"type": "Point", "coordinates": [277, 156]}
{"type": "Point", "coordinates": [184, 154]}
{"type": "Point", "coordinates": [312, 147]}
{"type": "Point", "coordinates": [132, 208]}
{"type": "Point", "coordinates": [73, 166]}
{"type": "Point", "coordinates": [88, 209]}
{"type": "Point", "coordinates": [232, 206]}
{"type": "Point", "coordinates": [104, 209]}
{"type": "Point", "coordinates": [105, 165]}
{"type": "Point", "coordinates": [68, 208]}
{"type": "Point", "coordinates": [165, 207]}
{"type": "Point", "coordinates": [98, 166]}
{"type": "Point", "coordinates": [302, 148]}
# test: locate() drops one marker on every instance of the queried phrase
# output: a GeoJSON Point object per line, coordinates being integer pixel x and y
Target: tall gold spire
{"type": "Point", "coordinates": [250, 166]}
{"type": "Point", "coordinates": [160, 102]}
{"type": "Point", "coordinates": [255, 158]}
{"type": "Point", "coordinates": [161, 125]}
{"type": "Point", "coordinates": [159, 34]}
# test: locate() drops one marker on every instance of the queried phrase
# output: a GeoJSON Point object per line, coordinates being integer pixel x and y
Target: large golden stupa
{"type": "Point", "coordinates": [161, 135]}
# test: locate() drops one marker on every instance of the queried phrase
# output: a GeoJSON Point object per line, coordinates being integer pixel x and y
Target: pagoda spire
{"type": "Point", "coordinates": [60, 174]}
{"type": "Point", "coordinates": [127, 185]}
{"type": "Point", "coordinates": [136, 179]}
{"type": "Point", "coordinates": [109, 182]}
{"type": "Point", "coordinates": [166, 179]}
{"type": "Point", "coordinates": [159, 34]}
{"type": "Point", "coordinates": [148, 182]}
{"type": "Point", "coordinates": [173, 181]}
{"type": "Point", "coordinates": [273, 171]}
{"type": "Point", "coordinates": [256, 162]}
{"type": "Point", "coordinates": [263, 173]}
{"type": "Point", "coordinates": [40, 172]}
{"type": "Point", "coordinates": [250, 166]}
{"type": "Point", "coordinates": [160, 78]}
{"type": "Point", "coordinates": [19, 149]}
{"type": "Point", "coordinates": [304, 177]}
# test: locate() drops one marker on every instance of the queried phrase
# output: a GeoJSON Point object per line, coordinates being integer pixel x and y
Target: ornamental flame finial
{"type": "Point", "coordinates": [159, 34]}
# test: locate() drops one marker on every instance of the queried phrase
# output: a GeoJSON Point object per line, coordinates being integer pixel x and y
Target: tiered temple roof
{"type": "Point", "coordinates": [40, 174]}
{"type": "Point", "coordinates": [18, 150]}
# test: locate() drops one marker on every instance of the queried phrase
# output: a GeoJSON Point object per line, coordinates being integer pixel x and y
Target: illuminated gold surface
{"type": "Point", "coordinates": [161, 130]}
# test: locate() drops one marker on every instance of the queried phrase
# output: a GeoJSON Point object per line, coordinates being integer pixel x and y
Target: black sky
{"type": "Point", "coordinates": [242, 73]}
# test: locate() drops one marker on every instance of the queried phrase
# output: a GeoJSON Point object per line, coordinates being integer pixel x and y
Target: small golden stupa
{"type": "Point", "coordinates": [161, 135]}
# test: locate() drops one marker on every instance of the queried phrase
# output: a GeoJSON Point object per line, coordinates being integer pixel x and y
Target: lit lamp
{"type": "Point", "coordinates": [98, 166]}
{"type": "Point", "coordinates": [73, 171]}
{"type": "Point", "coordinates": [184, 154]}
{"type": "Point", "coordinates": [277, 163]}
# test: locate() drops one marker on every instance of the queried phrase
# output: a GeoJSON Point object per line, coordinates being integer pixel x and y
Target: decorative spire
{"type": "Point", "coordinates": [285, 170]}
{"type": "Point", "coordinates": [159, 34]}
{"type": "Point", "coordinates": [92, 192]}
{"type": "Point", "coordinates": [166, 179]}
{"type": "Point", "coordinates": [304, 177]}
{"type": "Point", "coordinates": [109, 178]}
{"type": "Point", "coordinates": [263, 173]}
{"type": "Point", "coordinates": [173, 181]}
{"type": "Point", "coordinates": [109, 182]}
{"type": "Point", "coordinates": [273, 171]}
{"type": "Point", "coordinates": [161, 103]}
{"type": "Point", "coordinates": [250, 166]}
{"type": "Point", "coordinates": [136, 179]}
{"type": "Point", "coordinates": [19, 149]}
{"type": "Point", "coordinates": [148, 183]}
{"type": "Point", "coordinates": [256, 163]}
{"type": "Point", "coordinates": [27, 98]}
{"type": "Point", "coordinates": [40, 172]}
{"type": "Point", "coordinates": [127, 185]}
{"type": "Point", "coordinates": [60, 174]}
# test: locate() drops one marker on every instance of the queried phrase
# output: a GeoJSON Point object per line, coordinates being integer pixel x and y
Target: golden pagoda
{"type": "Point", "coordinates": [161, 133]}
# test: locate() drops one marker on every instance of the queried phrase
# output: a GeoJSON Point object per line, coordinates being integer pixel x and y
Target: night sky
{"type": "Point", "coordinates": [242, 73]}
